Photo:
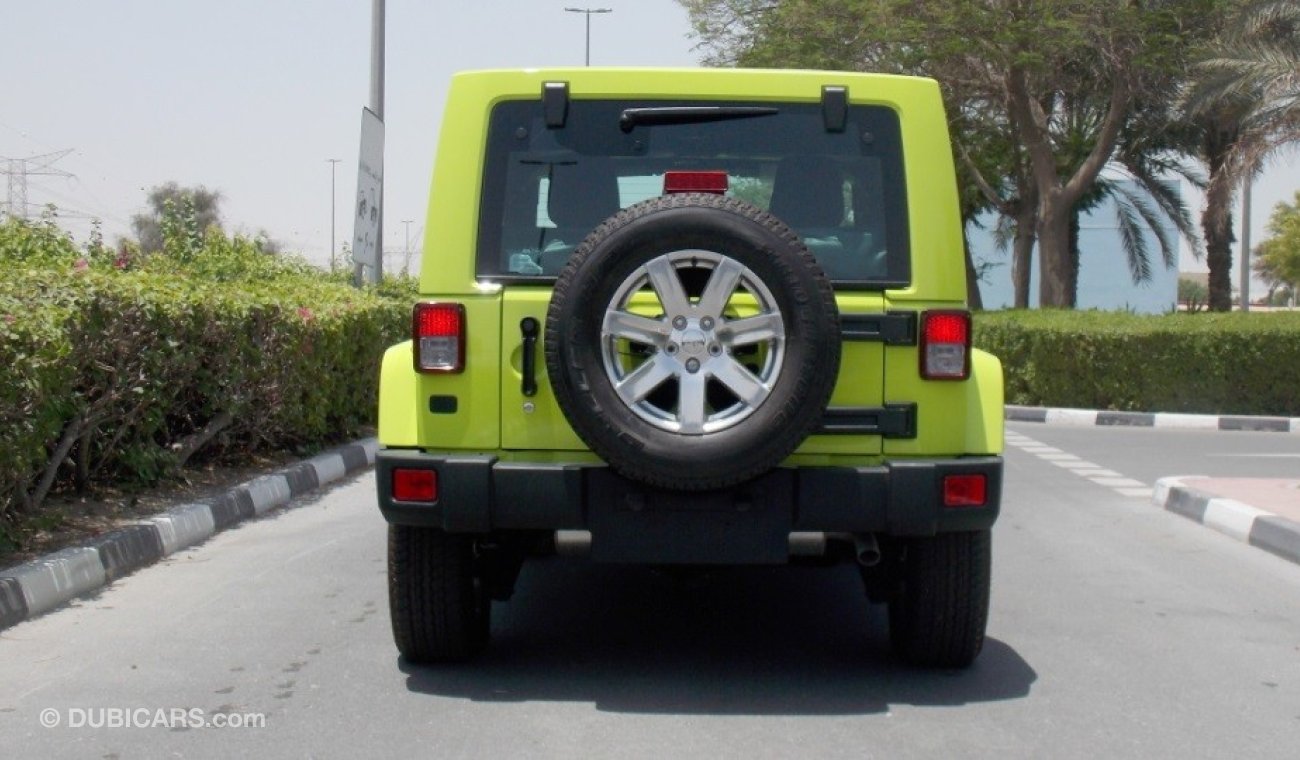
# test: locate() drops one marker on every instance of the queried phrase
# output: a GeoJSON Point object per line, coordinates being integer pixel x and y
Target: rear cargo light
{"type": "Point", "coordinates": [965, 490]}
{"type": "Point", "coordinates": [415, 485]}
{"type": "Point", "coordinates": [945, 345]}
{"type": "Point", "coordinates": [695, 182]}
{"type": "Point", "coordinates": [438, 330]}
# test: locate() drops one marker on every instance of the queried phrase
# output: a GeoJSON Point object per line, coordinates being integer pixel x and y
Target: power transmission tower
{"type": "Point", "coordinates": [19, 169]}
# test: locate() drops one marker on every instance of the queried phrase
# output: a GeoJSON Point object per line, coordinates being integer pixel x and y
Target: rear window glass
{"type": "Point", "coordinates": [546, 188]}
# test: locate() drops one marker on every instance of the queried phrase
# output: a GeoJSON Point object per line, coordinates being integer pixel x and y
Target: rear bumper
{"type": "Point", "coordinates": [481, 494]}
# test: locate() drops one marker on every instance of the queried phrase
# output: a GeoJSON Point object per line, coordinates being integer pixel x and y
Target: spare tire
{"type": "Point", "coordinates": [692, 341]}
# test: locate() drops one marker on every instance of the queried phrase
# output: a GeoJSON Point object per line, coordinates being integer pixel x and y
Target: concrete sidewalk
{"type": "Point", "coordinates": [1263, 512]}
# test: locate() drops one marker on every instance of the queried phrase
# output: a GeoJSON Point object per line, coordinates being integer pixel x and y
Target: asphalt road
{"type": "Point", "coordinates": [1117, 630]}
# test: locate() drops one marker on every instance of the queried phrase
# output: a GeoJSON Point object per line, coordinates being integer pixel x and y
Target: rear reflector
{"type": "Point", "coordinates": [415, 485]}
{"type": "Point", "coordinates": [965, 490]}
{"type": "Point", "coordinates": [945, 345]}
{"type": "Point", "coordinates": [695, 182]}
{"type": "Point", "coordinates": [438, 331]}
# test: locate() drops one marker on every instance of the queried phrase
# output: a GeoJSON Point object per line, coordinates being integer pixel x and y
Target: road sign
{"type": "Point", "coordinates": [370, 191]}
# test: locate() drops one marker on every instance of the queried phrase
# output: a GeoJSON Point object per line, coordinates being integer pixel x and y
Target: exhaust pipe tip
{"type": "Point", "coordinates": [866, 549]}
{"type": "Point", "coordinates": [573, 543]}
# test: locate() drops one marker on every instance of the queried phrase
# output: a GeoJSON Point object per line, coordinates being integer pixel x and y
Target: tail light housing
{"type": "Point", "coordinates": [438, 335]}
{"type": "Point", "coordinates": [945, 345]}
{"type": "Point", "coordinates": [415, 485]}
{"type": "Point", "coordinates": [714, 182]}
{"type": "Point", "coordinates": [965, 490]}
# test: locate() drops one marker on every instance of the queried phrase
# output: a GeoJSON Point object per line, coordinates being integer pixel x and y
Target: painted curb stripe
{"type": "Point", "coordinates": [268, 492]}
{"type": "Point", "coordinates": [232, 507]}
{"type": "Point", "coordinates": [1126, 419]}
{"type": "Point", "coordinates": [1277, 536]}
{"type": "Point", "coordinates": [54, 579]}
{"type": "Point", "coordinates": [128, 549]}
{"type": "Point", "coordinates": [1266, 424]}
{"type": "Point", "coordinates": [183, 526]}
{"type": "Point", "coordinates": [13, 608]}
{"type": "Point", "coordinates": [354, 458]}
{"type": "Point", "coordinates": [1026, 414]}
{"type": "Point", "coordinates": [1071, 416]}
{"type": "Point", "coordinates": [41, 585]}
{"type": "Point", "coordinates": [1187, 503]}
{"type": "Point", "coordinates": [1186, 421]}
{"type": "Point", "coordinates": [1231, 517]}
{"type": "Point", "coordinates": [1177, 420]}
{"type": "Point", "coordinates": [329, 468]}
{"type": "Point", "coordinates": [1241, 521]}
{"type": "Point", "coordinates": [301, 478]}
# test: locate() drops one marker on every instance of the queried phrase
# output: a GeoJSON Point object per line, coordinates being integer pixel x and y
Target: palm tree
{"type": "Point", "coordinates": [1245, 103]}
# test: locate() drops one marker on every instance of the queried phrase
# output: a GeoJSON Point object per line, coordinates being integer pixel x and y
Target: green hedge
{"type": "Point", "coordinates": [1197, 363]}
{"type": "Point", "coordinates": [115, 367]}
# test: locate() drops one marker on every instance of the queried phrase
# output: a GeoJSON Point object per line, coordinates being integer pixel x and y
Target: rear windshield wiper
{"type": "Point", "coordinates": [689, 115]}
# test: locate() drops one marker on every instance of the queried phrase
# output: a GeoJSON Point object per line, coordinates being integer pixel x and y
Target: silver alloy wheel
{"type": "Point", "coordinates": [692, 341]}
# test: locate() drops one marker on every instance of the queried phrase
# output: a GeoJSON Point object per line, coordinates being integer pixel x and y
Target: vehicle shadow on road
{"type": "Point", "coordinates": [734, 641]}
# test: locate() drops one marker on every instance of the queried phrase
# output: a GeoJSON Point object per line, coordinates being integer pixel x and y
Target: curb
{"type": "Point", "coordinates": [1091, 417]}
{"type": "Point", "coordinates": [43, 584]}
{"type": "Point", "coordinates": [1233, 518]}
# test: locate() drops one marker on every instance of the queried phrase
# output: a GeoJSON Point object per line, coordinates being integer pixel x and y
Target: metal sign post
{"type": "Point", "coordinates": [367, 209]}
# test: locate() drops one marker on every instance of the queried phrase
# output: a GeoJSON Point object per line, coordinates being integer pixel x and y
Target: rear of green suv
{"type": "Point", "coordinates": [683, 317]}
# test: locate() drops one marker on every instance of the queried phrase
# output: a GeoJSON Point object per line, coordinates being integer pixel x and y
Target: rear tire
{"type": "Point", "coordinates": [939, 617]}
{"type": "Point", "coordinates": [439, 607]}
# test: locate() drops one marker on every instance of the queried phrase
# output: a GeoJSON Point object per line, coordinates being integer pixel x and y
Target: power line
{"type": "Point", "coordinates": [19, 169]}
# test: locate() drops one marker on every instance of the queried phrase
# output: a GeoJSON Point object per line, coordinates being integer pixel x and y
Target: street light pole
{"type": "Point", "coordinates": [333, 162]}
{"type": "Point", "coordinates": [587, 12]}
{"type": "Point", "coordinates": [377, 24]}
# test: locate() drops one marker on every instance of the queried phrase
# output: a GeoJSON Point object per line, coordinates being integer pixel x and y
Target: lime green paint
{"type": "Point", "coordinates": [954, 417]}
{"type": "Point", "coordinates": [404, 393]}
{"type": "Point", "coordinates": [934, 219]}
{"type": "Point", "coordinates": [544, 427]}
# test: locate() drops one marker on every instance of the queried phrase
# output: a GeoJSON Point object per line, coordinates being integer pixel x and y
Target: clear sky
{"type": "Point", "coordinates": [251, 97]}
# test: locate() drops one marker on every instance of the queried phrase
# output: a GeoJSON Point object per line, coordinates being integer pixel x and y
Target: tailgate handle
{"type": "Point", "coordinates": [529, 327]}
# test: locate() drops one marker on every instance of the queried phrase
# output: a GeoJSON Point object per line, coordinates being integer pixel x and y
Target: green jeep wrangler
{"type": "Point", "coordinates": [682, 317]}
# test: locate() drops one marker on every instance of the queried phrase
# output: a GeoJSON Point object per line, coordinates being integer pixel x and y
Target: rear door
{"type": "Point", "coordinates": [841, 190]}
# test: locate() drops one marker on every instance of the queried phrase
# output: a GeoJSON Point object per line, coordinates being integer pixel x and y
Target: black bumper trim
{"type": "Point", "coordinates": [479, 494]}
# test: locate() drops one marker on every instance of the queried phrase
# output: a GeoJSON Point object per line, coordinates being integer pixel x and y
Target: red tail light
{"type": "Point", "coordinates": [415, 485]}
{"type": "Point", "coordinates": [695, 182]}
{"type": "Point", "coordinates": [965, 491]}
{"type": "Point", "coordinates": [438, 331]}
{"type": "Point", "coordinates": [945, 345]}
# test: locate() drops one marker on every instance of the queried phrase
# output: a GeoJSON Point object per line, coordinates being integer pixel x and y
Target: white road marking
{"type": "Point", "coordinates": [1115, 481]}
{"type": "Point", "coordinates": [1098, 473]}
{"type": "Point", "coordinates": [1118, 482]}
{"type": "Point", "coordinates": [1257, 456]}
{"type": "Point", "coordinates": [1079, 464]}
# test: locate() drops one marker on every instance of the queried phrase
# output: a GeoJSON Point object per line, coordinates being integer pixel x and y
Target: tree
{"type": "Point", "coordinates": [1244, 103]}
{"type": "Point", "coordinates": [1278, 258]}
{"type": "Point", "coordinates": [204, 203]}
{"type": "Point", "coordinates": [1021, 69]}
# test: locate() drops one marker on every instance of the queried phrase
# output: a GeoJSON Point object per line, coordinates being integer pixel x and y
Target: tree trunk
{"type": "Point", "coordinates": [1073, 271]}
{"type": "Point", "coordinates": [1022, 249]}
{"type": "Point", "coordinates": [1216, 223]}
{"type": "Point", "coordinates": [1057, 196]}
{"type": "Point", "coordinates": [1054, 253]}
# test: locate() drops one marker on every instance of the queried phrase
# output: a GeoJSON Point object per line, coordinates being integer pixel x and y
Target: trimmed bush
{"type": "Point", "coordinates": [119, 368]}
{"type": "Point", "coordinates": [1197, 363]}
